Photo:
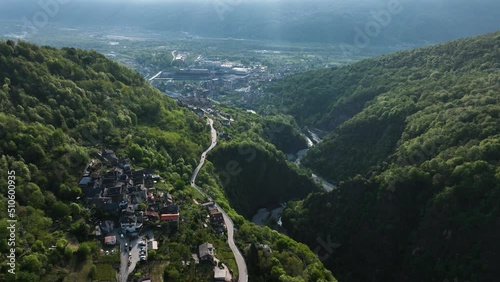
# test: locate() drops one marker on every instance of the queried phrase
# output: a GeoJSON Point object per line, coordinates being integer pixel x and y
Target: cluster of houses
{"type": "Point", "coordinates": [127, 195]}
{"type": "Point", "coordinates": [128, 199]}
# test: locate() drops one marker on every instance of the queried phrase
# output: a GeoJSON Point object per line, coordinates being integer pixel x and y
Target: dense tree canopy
{"type": "Point", "coordinates": [58, 108]}
{"type": "Point", "coordinates": [415, 146]}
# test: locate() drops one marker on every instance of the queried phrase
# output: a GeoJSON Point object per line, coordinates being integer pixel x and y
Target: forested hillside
{"type": "Point", "coordinates": [376, 107]}
{"type": "Point", "coordinates": [58, 109]}
{"type": "Point", "coordinates": [415, 146]}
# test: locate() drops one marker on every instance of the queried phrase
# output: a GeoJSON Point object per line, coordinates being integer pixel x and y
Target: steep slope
{"type": "Point", "coordinates": [416, 139]}
{"type": "Point", "coordinates": [58, 108]}
{"type": "Point", "coordinates": [369, 105]}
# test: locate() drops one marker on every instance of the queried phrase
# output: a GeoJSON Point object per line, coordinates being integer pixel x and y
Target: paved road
{"type": "Point", "coordinates": [125, 269]}
{"type": "Point", "coordinates": [124, 260]}
{"type": "Point", "coordinates": [240, 261]}
{"type": "Point", "coordinates": [155, 76]}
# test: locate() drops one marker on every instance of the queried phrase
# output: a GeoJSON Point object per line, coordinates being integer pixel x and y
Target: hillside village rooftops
{"type": "Point", "coordinates": [128, 219]}
{"type": "Point", "coordinates": [169, 217]}
{"type": "Point", "coordinates": [110, 240]}
{"type": "Point", "coordinates": [206, 251]}
{"type": "Point", "coordinates": [85, 181]}
{"type": "Point", "coordinates": [172, 209]}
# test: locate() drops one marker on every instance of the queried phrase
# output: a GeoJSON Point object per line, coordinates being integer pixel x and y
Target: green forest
{"type": "Point", "coordinates": [58, 109]}
{"type": "Point", "coordinates": [414, 146]}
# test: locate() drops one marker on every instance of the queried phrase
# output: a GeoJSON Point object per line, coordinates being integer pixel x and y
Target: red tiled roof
{"type": "Point", "coordinates": [170, 217]}
{"type": "Point", "coordinates": [110, 240]}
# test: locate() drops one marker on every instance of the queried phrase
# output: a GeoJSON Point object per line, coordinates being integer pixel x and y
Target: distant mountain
{"type": "Point", "coordinates": [405, 21]}
{"type": "Point", "coordinates": [414, 145]}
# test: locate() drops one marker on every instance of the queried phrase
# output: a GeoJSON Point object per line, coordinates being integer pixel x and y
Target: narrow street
{"type": "Point", "coordinates": [240, 261]}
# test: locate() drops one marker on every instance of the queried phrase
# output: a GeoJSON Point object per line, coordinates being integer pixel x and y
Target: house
{"type": "Point", "coordinates": [199, 112]}
{"type": "Point", "coordinates": [206, 252]}
{"type": "Point", "coordinates": [110, 240]}
{"type": "Point", "coordinates": [138, 176]}
{"type": "Point", "coordinates": [168, 199]}
{"type": "Point", "coordinates": [172, 209]}
{"type": "Point", "coordinates": [130, 223]}
{"type": "Point", "coordinates": [152, 245]}
{"type": "Point", "coordinates": [226, 122]}
{"type": "Point", "coordinates": [109, 155]}
{"type": "Point", "coordinates": [152, 216]}
{"type": "Point", "coordinates": [208, 204]}
{"type": "Point", "coordinates": [216, 216]}
{"type": "Point", "coordinates": [170, 217]}
{"type": "Point", "coordinates": [124, 164]}
{"type": "Point", "coordinates": [85, 182]}
{"type": "Point", "coordinates": [221, 273]}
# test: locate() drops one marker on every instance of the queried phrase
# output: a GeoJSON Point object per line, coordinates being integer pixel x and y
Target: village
{"type": "Point", "coordinates": [130, 210]}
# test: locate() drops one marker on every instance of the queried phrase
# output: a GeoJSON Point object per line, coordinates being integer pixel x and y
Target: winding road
{"type": "Point", "coordinates": [240, 261]}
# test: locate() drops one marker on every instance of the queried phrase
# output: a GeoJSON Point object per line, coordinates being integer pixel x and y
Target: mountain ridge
{"type": "Point", "coordinates": [417, 161]}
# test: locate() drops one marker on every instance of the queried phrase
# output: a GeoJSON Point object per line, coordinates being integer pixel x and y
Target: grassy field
{"type": "Point", "coordinates": [105, 272]}
{"type": "Point", "coordinates": [81, 272]}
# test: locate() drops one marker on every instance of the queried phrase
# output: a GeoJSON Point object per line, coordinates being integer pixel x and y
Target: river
{"type": "Point", "coordinates": [264, 214]}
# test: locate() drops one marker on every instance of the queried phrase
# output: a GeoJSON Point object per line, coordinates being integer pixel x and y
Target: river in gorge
{"type": "Point", "coordinates": [273, 213]}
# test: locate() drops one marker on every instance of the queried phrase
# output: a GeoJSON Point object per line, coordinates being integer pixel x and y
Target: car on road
{"type": "Point", "coordinates": [142, 258]}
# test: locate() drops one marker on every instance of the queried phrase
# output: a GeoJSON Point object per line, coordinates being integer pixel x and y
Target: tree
{"type": "Point", "coordinates": [179, 184]}
{"type": "Point", "coordinates": [142, 206]}
{"type": "Point", "coordinates": [32, 263]}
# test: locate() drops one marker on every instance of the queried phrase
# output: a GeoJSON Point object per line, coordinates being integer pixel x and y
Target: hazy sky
{"type": "Point", "coordinates": [303, 20]}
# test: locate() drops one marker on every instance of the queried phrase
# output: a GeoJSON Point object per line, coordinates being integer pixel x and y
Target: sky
{"type": "Point", "coordinates": [303, 20]}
